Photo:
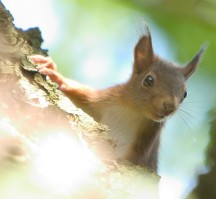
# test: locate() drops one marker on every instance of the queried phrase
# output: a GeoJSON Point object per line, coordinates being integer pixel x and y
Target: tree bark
{"type": "Point", "coordinates": [31, 106]}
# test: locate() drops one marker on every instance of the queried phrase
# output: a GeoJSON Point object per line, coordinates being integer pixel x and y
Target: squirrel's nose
{"type": "Point", "coordinates": [169, 107]}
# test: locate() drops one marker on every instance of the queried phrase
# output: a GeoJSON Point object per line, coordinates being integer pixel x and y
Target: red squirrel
{"type": "Point", "coordinates": [135, 111]}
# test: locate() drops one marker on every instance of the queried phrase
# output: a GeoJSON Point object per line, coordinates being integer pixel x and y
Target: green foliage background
{"type": "Point", "coordinates": [178, 29]}
{"type": "Point", "coordinates": [95, 46]}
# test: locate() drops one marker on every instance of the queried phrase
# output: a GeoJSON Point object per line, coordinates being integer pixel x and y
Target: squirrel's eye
{"type": "Point", "coordinates": [148, 81]}
{"type": "Point", "coordinates": [185, 94]}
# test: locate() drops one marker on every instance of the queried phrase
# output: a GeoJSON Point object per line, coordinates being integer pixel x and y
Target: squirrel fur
{"type": "Point", "coordinates": [136, 110]}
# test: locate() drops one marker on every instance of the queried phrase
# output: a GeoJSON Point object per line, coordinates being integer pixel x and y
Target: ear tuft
{"type": "Point", "coordinates": [143, 52]}
{"type": "Point", "coordinates": [190, 68]}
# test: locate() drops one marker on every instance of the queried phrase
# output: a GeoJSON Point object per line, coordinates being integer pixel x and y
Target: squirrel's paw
{"type": "Point", "coordinates": [43, 62]}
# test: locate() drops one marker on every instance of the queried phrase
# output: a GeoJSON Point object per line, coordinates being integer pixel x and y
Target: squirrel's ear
{"type": "Point", "coordinates": [190, 68]}
{"type": "Point", "coordinates": [143, 53]}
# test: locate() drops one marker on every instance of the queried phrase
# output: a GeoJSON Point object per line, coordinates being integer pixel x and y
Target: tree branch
{"type": "Point", "coordinates": [31, 107]}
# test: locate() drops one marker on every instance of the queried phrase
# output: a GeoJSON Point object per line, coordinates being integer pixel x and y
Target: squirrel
{"type": "Point", "coordinates": [135, 111]}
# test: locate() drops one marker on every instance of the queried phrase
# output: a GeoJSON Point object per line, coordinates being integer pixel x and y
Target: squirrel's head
{"type": "Point", "coordinates": [158, 85]}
